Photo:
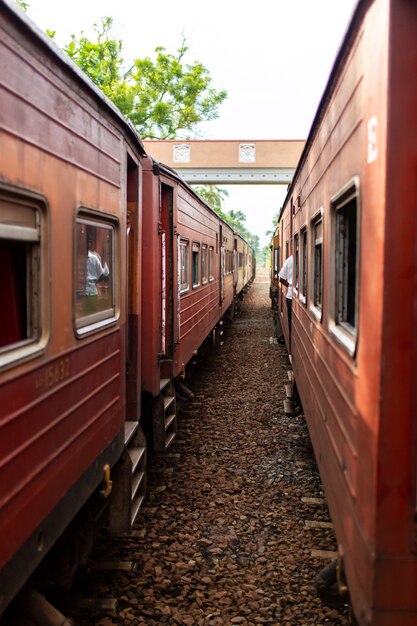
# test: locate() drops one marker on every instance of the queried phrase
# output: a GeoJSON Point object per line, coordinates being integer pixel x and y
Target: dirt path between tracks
{"type": "Point", "coordinates": [235, 518]}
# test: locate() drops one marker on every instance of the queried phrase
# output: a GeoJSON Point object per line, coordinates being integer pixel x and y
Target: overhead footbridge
{"type": "Point", "coordinates": [229, 162]}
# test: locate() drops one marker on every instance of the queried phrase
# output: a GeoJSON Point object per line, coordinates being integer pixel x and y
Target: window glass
{"type": "Point", "coordinates": [20, 260]}
{"type": "Point", "coordinates": [203, 264]}
{"type": "Point", "coordinates": [196, 264]}
{"type": "Point", "coordinates": [184, 276]}
{"type": "Point", "coordinates": [94, 272]}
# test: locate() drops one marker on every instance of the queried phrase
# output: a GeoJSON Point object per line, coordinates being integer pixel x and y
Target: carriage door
{"type": "Point", "coordinates": [167, 274]}
{"type": "Point", "coordinates": [221, 277]}
{"type": "Point", "coordinates": [132, 294]}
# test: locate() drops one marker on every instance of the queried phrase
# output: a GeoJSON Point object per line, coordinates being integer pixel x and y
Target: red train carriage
{"type": "Point", "coordinates": [69, 172]}
{"type": "Point", "coordinates": [352, 208]}
{"type": "Point", "coordinates": [187, 282]}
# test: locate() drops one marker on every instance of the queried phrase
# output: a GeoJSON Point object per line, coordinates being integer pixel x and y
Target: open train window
{"type": "Point", "coordinates": [317, 263]}
{"type": "Point", "coordinates": [20, 262]}
{"type": "Point", "coordinates": [196, 264]}
{"type": "Point", "coordinates": [345, 216]}
{"type": "Point", "coordinates": [203, 264]}
{"type": "Point", "coordinates": [94, 282]}
{"type": "Point", "coordinates": [184, 271]}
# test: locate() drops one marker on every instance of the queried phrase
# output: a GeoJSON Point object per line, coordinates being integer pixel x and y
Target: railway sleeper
{"type": "Point", "coordinates": [35, 610]}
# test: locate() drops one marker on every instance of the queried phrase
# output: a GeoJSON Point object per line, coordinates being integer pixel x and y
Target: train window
{"type": "Point", "coordinates": [20, 261]}
{"type": "Point", "coordinates": [94, 273]}
{"type": "Point", "coordinates": [317, 256]}
{"type": "Point", "coordinates": [296, 263]}
{"type": "Point", "coordinates": [196, 264]}
{"type": "Point", "coordinates": [276, 262]}
{"type": "Point", "coordinates": [345, 216]}
{"type": "Point", "coordinates": [203, 264]}
{"type": "Point", "coordinates": [184, 271]}
{"type": "Point", "coordinates": [210, 263]}
{"type": "Point", "coordinates": [303, 265]}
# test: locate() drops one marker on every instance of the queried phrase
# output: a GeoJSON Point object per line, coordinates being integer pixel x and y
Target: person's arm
{"type": "Point", "coordinates": [284, 282]}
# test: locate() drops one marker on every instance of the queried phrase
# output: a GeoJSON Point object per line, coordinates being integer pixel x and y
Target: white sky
{"type": "Point", "coordinates": [273, 57]}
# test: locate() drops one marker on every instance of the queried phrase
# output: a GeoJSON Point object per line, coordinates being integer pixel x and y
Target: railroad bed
{"type": "Point", "coordinates": [235, 526]}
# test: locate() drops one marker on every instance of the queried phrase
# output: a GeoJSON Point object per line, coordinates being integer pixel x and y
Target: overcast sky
{"type": "Point", "coordinates": [273, 57]}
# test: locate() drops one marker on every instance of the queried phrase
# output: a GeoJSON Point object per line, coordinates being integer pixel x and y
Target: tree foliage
{"type": "Point", "coordinates": [213, 196]}
{"type": "Point", "coordinates": [23, 5]}
{"type": "Point", "coordinates": [163, 97]}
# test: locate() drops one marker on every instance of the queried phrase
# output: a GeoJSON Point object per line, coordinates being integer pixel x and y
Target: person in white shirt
{"type": "Point", "coordinates": [95, 271]}
{"type": "Point", "coordinates": [285, 278]}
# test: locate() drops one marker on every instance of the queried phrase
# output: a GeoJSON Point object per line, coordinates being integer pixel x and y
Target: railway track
{"type": "Point", "coordinates": [235, 526]}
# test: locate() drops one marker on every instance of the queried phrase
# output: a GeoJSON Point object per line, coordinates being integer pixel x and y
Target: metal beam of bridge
{"type": "Point", "coordinates": [229, 162]}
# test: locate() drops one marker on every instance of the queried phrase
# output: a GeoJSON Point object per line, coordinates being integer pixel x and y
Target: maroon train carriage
{"type": "Point", "coordinates": [188, 286]}
{"type": "Point", "coordinates": [69, 172]}
{"type": "Point", "coordinates": [352, 211]}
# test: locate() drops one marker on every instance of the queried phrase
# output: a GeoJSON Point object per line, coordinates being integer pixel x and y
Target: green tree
{"type": "Point", "coordinates": [213, 196]}
{"type": "Point", "coordinates": [164, 98]}
{"type": "Point", "coordinates": [23, 5]}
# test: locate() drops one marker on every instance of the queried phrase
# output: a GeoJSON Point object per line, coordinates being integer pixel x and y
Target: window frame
{"type": "Point", "coordinates": [184, 243]}
{"type": "Point", "coordinates": [276, 267]}
{"type": "Point", "coordinates": [195, 264]}
{"type": "Point", "coordinates": [315, 308]}
{"type": "Point", "coordinates": [211, 263]}
{"type": "Point", "coordinates": [204, 264]}
{"type": "Point", "coordinates": [37, 289]}
{"type": "Point", "coordinates": [303, 265]}
{"type": "Point", "coordinates": [343, 332]}
{"type": "Point", "coordinates": [296, 262]}
{"type": "Point", "coordinates": [85, 325]}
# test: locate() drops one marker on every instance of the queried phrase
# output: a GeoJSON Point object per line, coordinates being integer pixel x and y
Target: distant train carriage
{"type": "Point", "coordinates": [351, 208]}
{"type": "Point", "coordinates": [188, 286]}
